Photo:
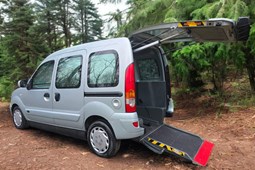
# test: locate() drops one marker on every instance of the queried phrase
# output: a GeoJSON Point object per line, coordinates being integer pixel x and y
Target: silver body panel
{"type": "Point", "coordinates": [73, 108]}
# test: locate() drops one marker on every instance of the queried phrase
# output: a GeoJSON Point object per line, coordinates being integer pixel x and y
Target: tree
{"type": "Point", "coordinates": [115, 17]}
{"type": "Point", "coordinates": [188, 63]}
{"type": "Point", "coordinates": [47, 22]}
{"type": "Point", "coordinates": [65, 20]}
{"type": "Point", "coordinates": [145, 12]}
{"type": "Point", "coordinates": [21, 45]}
{"type": "Point", "coordinates": [88, 24]}
{"type": "Point", "coordinates": [18, 39]}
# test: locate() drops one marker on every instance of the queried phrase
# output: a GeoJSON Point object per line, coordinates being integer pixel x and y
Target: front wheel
{"type": "Point", "coordinates": [18, 118]}
{"type": "Point", "coordinates": [102, 140]}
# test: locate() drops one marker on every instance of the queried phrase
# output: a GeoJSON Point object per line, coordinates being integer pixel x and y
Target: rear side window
{"type": "Point", "coordinates": [103, 69]}
{"type": "Point", "coordinates": [148, 69]}
{"type": "Point", "coordinates": [42, 77]}
{"type": "Point", "coordinates": [69, 72]}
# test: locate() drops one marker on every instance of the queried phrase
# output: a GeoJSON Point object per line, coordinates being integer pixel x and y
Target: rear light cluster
{"type": "Point", "coordinates": [130, 89]}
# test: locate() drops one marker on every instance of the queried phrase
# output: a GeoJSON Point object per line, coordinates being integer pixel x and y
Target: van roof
{"type": "Point", "coordinates": [89, 45]}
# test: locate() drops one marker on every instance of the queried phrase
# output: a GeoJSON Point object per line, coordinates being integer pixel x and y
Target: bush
{"type": "Point", "coordinates": [6, 88]}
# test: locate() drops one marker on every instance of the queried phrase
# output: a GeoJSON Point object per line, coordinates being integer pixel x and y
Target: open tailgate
{"type": "Point", "coordinates": [212, 30]}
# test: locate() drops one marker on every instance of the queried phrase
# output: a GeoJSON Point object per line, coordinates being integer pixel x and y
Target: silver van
{"type": "Point", "coordinates": [116, 89]}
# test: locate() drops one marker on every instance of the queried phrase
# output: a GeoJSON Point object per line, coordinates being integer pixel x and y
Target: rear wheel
{"type": "Point", "coordinates": [102, 140]}
{"type": "Point", "coordinates": [18, 118]}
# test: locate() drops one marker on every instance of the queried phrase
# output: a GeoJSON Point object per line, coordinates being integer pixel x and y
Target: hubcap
{"type": "Point", "coordinates": [99, 139]}
{"type": "Point", "coordinates": [17, 117]}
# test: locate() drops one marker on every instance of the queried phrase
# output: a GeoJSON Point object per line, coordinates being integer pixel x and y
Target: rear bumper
{"type": "Point", "coordinates": [122, 124]}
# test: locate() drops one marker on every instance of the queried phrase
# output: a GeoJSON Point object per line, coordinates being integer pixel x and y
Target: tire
{"type": "Point", "coordinates": [169, 114]}
{"type": "Point", "coordinates": [18, 118]}
{"type": "Point", "coordinates": [101, 139]}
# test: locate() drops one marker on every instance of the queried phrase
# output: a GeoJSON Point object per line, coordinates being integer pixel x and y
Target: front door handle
{"type": "Point", "coordinates": [57, 97]}
{"type": "Point", "coordinates": [46, 95]}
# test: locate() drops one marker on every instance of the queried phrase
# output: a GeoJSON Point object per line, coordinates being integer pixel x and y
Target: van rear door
{"type": "Point", "coordinates": [151, 90]}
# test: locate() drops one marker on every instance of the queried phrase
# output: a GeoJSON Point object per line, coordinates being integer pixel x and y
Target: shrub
{"type": "Point", "coordinates": [6, 88]}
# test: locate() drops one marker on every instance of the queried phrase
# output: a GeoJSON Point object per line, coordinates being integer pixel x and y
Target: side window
{"type": "Point", "coordinates": [42, 77]}
{"type": "Point", "coordinates": [103, 69]}
{"type": "Point", "coordinates": [69, 72]}
{"type": "Point", "coordinates": [148, 69]}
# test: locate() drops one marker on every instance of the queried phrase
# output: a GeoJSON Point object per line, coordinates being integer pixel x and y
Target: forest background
{"type": "Point", "coordinates": [31, 30]}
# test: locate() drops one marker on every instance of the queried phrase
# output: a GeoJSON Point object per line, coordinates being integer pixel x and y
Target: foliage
{"type": "Point", "coordinates": [31, 31]}
{"type": "Point", "coordinates": [214, 59]}
{"type": "Point", "coordinates": [88, 25]}
{"type": "Point", "coordinates": [188, 62]}
{"type": "Point", "coordinates": [6, 87]}
{"type": "Point", "coordinates": [18, 37]}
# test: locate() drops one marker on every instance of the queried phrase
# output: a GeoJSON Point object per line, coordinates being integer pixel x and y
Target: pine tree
{"type": "Point", "coordinates": [88, 23]}
{"type": "Point", "coordinates": [23, 43]}
{"type": "Point", "coordinates": [47, 22]}
{"type": "Point", "coordinates": [17, 38]}
{"type": "Point", "coordinates": [64, 17]}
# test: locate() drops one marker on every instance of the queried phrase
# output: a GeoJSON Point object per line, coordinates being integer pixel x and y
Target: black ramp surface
{"type": "Point", "coordinates": [178, 139]}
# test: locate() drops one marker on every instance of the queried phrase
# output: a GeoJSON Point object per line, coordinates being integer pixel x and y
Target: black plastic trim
{"type": "Point", "coordinates": [103, 94]}
{"type": "Point", "coordinates": [74, 133]}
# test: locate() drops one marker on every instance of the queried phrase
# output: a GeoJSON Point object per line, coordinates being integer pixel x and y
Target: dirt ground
{"type": "Point", "coordinates": [232, 133]}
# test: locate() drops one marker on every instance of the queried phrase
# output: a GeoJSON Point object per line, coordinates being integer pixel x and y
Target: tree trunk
{"type": "Point", "coordinates": [49, 38]}
{"type": "Point", "coordinates": [250, 66]}
{"type": "Point", "coordinates": [86, 26]}
{"type": "Point", "coordinates": [65, 25]}
{"type": "Point", "coordinates": [69, 36]}
{"type": "Point", "coordinates": [82, 26]}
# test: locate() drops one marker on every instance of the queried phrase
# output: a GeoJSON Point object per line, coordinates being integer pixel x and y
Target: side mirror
{"type": "Point", "coordinates": [22, 83]}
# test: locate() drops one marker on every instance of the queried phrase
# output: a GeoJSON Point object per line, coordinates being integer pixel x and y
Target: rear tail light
{"type": "Point", "coordinates": [130, 89]}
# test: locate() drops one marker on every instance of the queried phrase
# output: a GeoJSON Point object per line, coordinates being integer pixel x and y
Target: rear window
{"type": "Point", "coordinates": [148, 65]}
{"type": "Point", "coordinates": [148, 69]}
{"type": "Point", "coordinates": [103, 69]}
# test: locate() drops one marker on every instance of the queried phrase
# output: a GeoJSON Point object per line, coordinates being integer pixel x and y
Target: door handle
{"type": "Point", "coordinates": [46, 95]}
{"type": "Point", "coordinates": [57, 97]}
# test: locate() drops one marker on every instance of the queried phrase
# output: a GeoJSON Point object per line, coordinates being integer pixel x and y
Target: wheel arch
{"type": "Point", "coordinates": [16, 101]}
{"type": "Point", "coordinates": [96, 110]}
{"type": "Point", "coordinates": [95, 118]}
{"type": "Point", "coordinates": [13, 106]}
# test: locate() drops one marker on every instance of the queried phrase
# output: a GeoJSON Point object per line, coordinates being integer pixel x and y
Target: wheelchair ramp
{"type": "Point", "coordinates": [175, 141]}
